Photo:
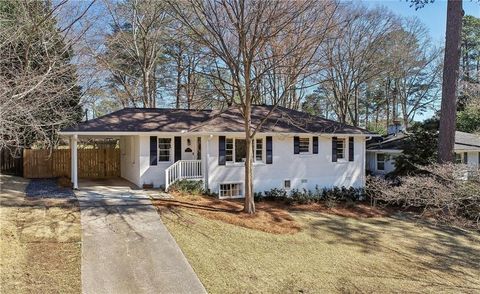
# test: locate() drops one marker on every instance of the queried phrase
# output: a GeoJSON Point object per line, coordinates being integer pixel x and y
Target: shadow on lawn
{"type": "Point", "coordinates": [446, 249]}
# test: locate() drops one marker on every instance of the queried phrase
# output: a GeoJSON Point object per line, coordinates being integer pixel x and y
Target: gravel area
{"type": "Point", "coordinates": [47, 188]}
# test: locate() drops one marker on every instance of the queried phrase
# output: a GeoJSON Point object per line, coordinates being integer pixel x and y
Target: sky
{"type": "Point", "coordinates": [433, 15]}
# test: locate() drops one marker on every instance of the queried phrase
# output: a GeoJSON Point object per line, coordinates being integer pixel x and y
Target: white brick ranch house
{"type": "Point", "coordinates": [291, 149]}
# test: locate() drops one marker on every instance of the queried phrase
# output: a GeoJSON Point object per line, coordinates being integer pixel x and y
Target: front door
{"type": "Point", "coordinates": [178, 149]}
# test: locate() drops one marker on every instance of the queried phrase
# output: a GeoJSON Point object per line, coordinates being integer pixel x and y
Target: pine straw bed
{"type": "Point", "coordinates": [271, 216]}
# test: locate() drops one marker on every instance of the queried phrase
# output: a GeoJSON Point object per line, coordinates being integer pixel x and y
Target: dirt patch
{"type": "Point", "coordinates": [270, 216]}
{"type": "Point", "coordinates": [40, 242]}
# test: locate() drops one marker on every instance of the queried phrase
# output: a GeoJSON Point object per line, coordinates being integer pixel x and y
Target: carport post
{"type": "Point", "coordinates": [74, 162]}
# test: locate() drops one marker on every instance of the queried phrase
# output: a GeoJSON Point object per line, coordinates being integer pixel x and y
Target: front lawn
{"type": "Point", "coordinates": [40, 240]}
{"type": "Point", "coordinates": [326, 253]}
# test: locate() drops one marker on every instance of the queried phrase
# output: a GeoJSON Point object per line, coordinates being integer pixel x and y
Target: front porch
{"type": "Point", "coordinates": [151, 160]}
{"type": "Point", "coordinates": [183, 170]}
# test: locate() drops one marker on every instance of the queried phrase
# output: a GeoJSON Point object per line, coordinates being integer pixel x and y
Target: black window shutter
{"type": "Point", "coordinates": [153, 150]}
{"type": "Point", "coordinates": [315, 145]}
{"type": "Point", "coordinates": [350, 148]}
{"type": "Point", "coordinates": [269, 146]}
{"type": "Point", "coordinates": [178, 149]}
{"type": "Point", "coordinates": [296, 145]}
{"type": "Point", "coordinates": [334, 149]}
{"type": "Point", "coordinates": [221, 150]}
{"type": "Point", "coordinates": [465, 157]}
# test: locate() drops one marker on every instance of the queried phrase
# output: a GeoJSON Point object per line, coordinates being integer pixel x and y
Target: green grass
{"type": "Point", "coordinates": [330, 254]}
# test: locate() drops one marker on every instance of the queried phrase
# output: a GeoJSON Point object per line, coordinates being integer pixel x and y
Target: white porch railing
{"type": "Point", "coordinates": [183, 169]}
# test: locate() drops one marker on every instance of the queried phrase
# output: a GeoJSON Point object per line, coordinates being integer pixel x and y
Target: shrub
{"type": "Point", "coordinates": [188, 187]}
{"type": "Point", "coordinates": [305, 196]}
{"type": "Point", "coordinates": [276, 194]}
{"type": "Point", "coordinates": [441, 191]}
{"type": "Point", "coordinates": [258, 196]}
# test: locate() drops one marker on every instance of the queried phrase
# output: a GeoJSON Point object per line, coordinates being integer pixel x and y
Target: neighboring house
{"type": "Point", "coordinates": [381, 152]}
{"type": "Point", "coordinates": [291, 149]}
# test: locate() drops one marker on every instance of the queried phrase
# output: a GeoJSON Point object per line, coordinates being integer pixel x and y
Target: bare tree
{"type": "Point", "coordinates": [134, 50]}
{"type": "Point", "coordinates": [355, 57]}
{"type": "Point", "coordinates": [39, 93]}
{"type": "Point", "coordinates": [250, 39]}
{"type": "Point", "coordinates": [412, 71]}
{"type": "Point", "coordinates": [188, 62]}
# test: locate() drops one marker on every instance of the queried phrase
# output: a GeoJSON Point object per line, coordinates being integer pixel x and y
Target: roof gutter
{"type": "Point", "coordinates": [149, 133]}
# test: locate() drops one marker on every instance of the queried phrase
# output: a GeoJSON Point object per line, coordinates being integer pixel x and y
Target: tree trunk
{"type": "Point", "coordinates": [355, 119]}
{"type": "Point", "coordinates": [179, 82]}
{"type": "Point", "coordinates": [249, 206]}
{"type": "Point", "coordinates": [387, 95]}
{"type": "Point", "coordinates": [446, 138]}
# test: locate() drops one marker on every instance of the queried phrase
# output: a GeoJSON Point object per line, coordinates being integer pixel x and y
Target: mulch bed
{"type": "Point", "coordinates": [270, 216]}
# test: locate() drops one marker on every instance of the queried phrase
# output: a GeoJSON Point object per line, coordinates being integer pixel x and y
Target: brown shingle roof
{"type": "Point", "coordinates": [463, 141]}
{"type": "Point", "coordinates": [466, 141]}
{"type": "Point", "coordinates": [143, 120]}
{"type": "Point", "coordinates": [281, 120]}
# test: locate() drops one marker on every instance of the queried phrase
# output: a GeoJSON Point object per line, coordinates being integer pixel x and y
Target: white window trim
{"type": "Point", "coordinates": [384, 161]}
{"type": "Point", "coordinates": [255, 162]}
{"type": "Point", "coordinates": [172, 148]}
{"type": "Point", "coordinates": [262, 151]}
{"type": "Point", "coordinates": [231, 197]}
{"type": "Point", "coordinates": [345, 150]}
{"type": "Point", "coordinates": [310, 146]}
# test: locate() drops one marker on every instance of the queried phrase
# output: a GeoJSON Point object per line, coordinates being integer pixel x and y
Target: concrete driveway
{"type": "Point", "coordinates": [125, 246]}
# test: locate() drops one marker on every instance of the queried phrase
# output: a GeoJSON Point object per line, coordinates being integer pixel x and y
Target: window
{"type": "Point", "coordinates": [286, 184]}
{"type": "Point", "coordinates": [458, 158]}
{"type": "Point", "coordinates": [259, 150]}
{"type": "Point", "coordinates": [229, 150]}
{"type": "Point", "coordinates": [236, 150]}
{"type": "Point", "coordinates": [380, 161]}
{"type": "Point", "coordinates": [340, 148]}
{"type": "Point", "coordinates": [304, 145]}
{"type": "Point", "coordinates": [164, 149]}
{"type": "Point", "coordinates": [240, 150]}
{"type": "Point", "coordinates": [230, 190]}
{"type": "Point", "coordinates": [199, 148]}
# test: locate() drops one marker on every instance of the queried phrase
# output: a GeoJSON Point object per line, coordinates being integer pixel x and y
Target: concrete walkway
{"type": "Point", "coordinates": [125, 246]}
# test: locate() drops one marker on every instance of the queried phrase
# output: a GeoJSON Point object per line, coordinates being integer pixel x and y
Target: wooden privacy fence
{"type": "Point", "coordinates": [92, 163]}
{"type": "Point", "coordinates": [11, 161]}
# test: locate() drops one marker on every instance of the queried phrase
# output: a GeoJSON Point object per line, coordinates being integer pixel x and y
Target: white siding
{"type": "Point", "coordinates": [129, 159]}
{"type": "Point", "coordinates": [316, 169]}
{"type": "Point", "coordinates": [472, 158]}
{"type": "Point", "coordinates": [152, 174]}
{"type": "Point", "coordinates": [389, 162]}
